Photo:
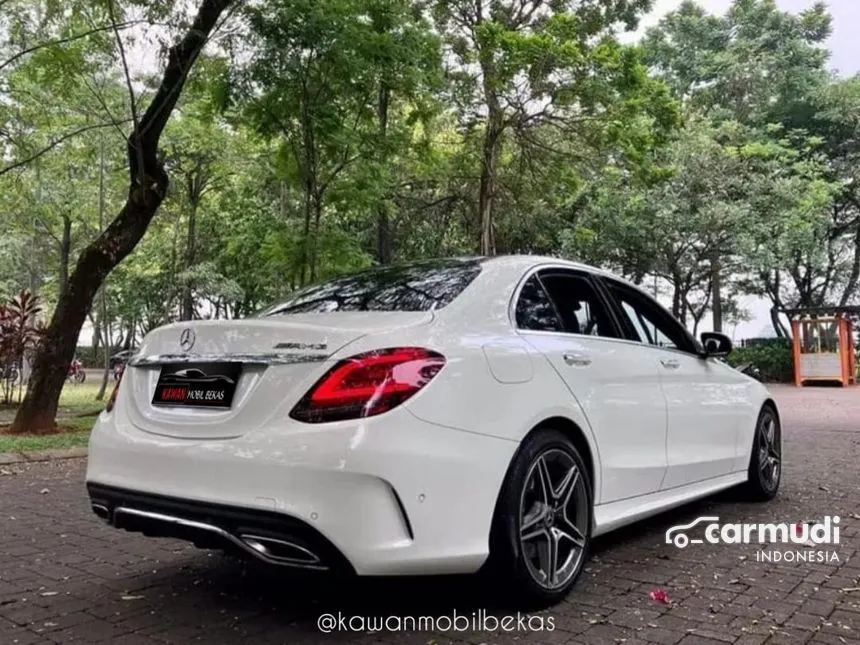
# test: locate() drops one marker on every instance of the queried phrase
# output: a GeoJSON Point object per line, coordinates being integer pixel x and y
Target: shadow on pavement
{"type": "Point", "coordinates": [237, 587]}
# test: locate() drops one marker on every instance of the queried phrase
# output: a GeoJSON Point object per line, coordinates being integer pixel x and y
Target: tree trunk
{"type": "Point", "coordinates": [97, 332]}
{"type": "Point", "coordinates": [492, 142]}
{"type": "Point", "coordinates": [147, 189]}
{"type": "Point", "coordinates": [677, 297]}
{"type": "Point", "coordinates": [282, 200]}
{"type": "Point", "coordinates": [716, 291]}
{"type": "Point", "coordinates": [487, 190]}
{"type": "Point", "coordinates": [383, 225]}
{"type": "Point", "coordinates": [103, 316]}
{"type": "Point", "coordinates": [35, 277]}
{"type": "Point", "coordinates": [311, 183]}
{"type": "Point", "coordinates": [65, 254]}
{"type": "Point", "coordinates": [128, 340]}
{"type": "Point", "coordinates": [773, 289]}
{"type": "Point", "coordinates": [106, 374]}
{"type": "Point", "coordinates": [306, 240]}
{"type": "Point", "coordinates": [854, 277]}
{"type": "Point", "coordinates": [317, 209]}
{"type": "Point", "coordinates": [677, 306]}
{"type": "Point", "coordinates": [778, 327]}
{"type": "Point", "coordinates": [383, 240]}
{"type": "Point", "coordinates": [187, 312]}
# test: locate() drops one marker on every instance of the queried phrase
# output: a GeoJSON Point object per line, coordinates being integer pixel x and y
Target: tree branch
{"type": "Point", "coordinates": [134, 139]}
{"type": "Point", "coordinates": [98, 96]}
{"type": "Point", "coordinates": [68, 39]}
{"type": "Point", "coordinates": [55, 143]}
{"type": "Point", "coordinates": [180, 60]}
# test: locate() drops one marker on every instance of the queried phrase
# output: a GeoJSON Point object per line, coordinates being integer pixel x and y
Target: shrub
{"type": "Point", "coordinates": [20, 333]}
{"type": "Point", "coordinates": [774, 360]}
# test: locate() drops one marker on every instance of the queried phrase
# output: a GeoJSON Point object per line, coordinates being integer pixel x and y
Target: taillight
{"type": "Point", "coordinates": [112, 400]}
{"type": "Point", "coordinates": [368, 384]}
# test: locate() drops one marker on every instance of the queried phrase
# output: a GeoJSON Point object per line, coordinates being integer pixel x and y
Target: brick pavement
{"type": "Point", "coordinates": [65, 577]}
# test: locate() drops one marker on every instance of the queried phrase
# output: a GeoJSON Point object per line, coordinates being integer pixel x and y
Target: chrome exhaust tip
{"type": "Point", "coordinates": [102, 511]}
{"type": "Point", "coordinates": [268, 549]}
{"type": "Point", "coordinates": [281, 550]}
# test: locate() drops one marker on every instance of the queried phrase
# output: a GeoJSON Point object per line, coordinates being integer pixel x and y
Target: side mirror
{"type": "Point", "coordinates": [716, 344]}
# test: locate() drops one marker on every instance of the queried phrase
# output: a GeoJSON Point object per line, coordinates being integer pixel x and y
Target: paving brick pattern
{"type": "Point", "coordinates": [65, 577]}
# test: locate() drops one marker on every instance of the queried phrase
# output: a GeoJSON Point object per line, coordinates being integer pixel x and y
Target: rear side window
{"type": "Point", "coordinates": [421, 286]}
{"type": "Point", "coordinates": [580, 307]}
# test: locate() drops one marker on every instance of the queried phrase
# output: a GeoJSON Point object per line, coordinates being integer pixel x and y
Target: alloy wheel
{"type": "Point", "coordinates": [769, 451]}
{"type": "Point", "coordinates": [553, 519]}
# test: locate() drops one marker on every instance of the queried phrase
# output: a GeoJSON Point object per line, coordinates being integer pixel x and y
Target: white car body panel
{"type": "Point", "coordinates": [338, 479]}
{"type": "Point", "coordinates": [709, 404]}
{"type": "Point", "coordinates": [387, 490]}
{"type": "Point", "coordinates": [608, 517]}
{"type": "Point", "coordinates": [613, 385]}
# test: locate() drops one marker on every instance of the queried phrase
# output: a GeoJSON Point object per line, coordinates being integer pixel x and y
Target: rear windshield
{"type": "Point", "coordinates": [421, 286]}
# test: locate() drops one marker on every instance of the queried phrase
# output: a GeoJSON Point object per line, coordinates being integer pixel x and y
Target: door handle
{"type": "Point", "coordinates": [577, 360]}
{"type": "Point", "coordinates": [670, 363]}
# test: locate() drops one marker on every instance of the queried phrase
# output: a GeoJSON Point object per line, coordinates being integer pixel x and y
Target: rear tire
{"type": "Point", "coordinates": [765, 468]}
{"type": "Point", "coordinates": [542, 523]}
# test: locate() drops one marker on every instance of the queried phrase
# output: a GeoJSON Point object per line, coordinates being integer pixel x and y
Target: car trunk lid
{"type": "Point", "coordinates": [274, 360]}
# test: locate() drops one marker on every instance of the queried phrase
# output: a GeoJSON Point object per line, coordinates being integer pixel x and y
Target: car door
{"type": "Point", "coordinates": [704, 403]}
{"type": "Point", "coordinates": [562, 314]}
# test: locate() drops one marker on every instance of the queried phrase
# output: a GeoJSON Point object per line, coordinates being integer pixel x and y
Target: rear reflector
{"type": "Point", "coordinates": [368, 384]}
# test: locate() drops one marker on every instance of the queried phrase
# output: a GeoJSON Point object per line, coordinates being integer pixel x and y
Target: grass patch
{"type": "Point", "coordinates": [73, 433]}
{"type": "Point", "coordinates": [78, 398]}
{"type": "Point", "coordinates": [27, 443]}
{"type": "Point", "coordinates": [76, 415]}
{"type": "Point", "coordinates": [80, 424]}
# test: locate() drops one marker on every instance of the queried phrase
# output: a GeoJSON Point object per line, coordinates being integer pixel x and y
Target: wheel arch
{"type": "Point", "coordinates": [581, 441]}
{"type": "Point", "coordinates": [769, 401]}
{"type": "Point", "coordinates": [578, 438]}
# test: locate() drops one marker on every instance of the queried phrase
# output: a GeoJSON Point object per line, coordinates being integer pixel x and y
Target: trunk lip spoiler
{"type": "Point", "coordinates": [154, 360]}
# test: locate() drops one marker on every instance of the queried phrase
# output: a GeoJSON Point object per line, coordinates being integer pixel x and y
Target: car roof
{"type": "Point", "coordinates": [516, 266]}
{"type": "Point", "coordinates": [524, 262]}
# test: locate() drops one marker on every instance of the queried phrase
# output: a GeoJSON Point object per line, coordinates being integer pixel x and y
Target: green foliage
{"type": "Point", "coordinates": [754, 64]}
{"type": "Point", "coordinates": [545, 96]}
{"type": "Point", "coordinates": [319, 138]}
{"type": "Point", "coordinates": [775, 361]}
{"type": "Point", "coordinates": [342, 86]}
{"type": "Point", "coordinates": [78, 438]}
{"type": "Point", "coordinates": [20, 333]}
{"type": "Point", "coordinates": [760, 76]}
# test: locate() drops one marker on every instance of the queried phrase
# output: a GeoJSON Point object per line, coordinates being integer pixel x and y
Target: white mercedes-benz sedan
{"type": "Point", "coordinates": [447, 416]}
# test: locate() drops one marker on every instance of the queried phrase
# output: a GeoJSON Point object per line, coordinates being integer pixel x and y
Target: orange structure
{"type": "Point", "coordinates": [824, 344]}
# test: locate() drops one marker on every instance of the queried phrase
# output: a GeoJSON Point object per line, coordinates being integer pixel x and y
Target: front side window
{"type": "Point", "coordinates": [422, 286]}
{"type": "Point", "coordinates": [649, 322]}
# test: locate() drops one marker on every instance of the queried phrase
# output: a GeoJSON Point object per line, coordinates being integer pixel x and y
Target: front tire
{"type": "Point", "coordinates": [542, 525]}
{"type": "Point", "coordinates": [765, 468]}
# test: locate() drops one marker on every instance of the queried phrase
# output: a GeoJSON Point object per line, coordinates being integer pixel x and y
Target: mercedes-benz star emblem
{"type": "Point", "coordinates": [187, 338]}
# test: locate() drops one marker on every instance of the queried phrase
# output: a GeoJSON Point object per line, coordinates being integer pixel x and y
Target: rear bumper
{"type": "Point", "coordinates": [386, 495]}
{"type": "Point", "coordinates": [272, 538]}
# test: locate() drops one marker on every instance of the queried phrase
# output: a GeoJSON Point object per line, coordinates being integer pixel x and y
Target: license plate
{"type": "Point", "coordinates": [203, 385]}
